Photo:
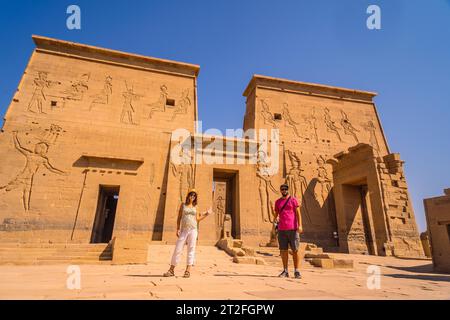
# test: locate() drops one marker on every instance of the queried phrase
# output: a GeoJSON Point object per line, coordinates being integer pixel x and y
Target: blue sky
{"type": "Point", "coordinates": [407, 62]}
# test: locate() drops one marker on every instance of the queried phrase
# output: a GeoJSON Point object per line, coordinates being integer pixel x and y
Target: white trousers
{"type": "Point", "coordinates": [188, 237]}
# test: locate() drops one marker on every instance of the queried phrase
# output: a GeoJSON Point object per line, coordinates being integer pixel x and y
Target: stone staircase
{"type": "Point", "coordinates": [308, 252]}
{"type": "Point", "coordinates": [240, 253]}
{"type": "Point", "coordinates": [59, 253]}
{"type": "Point", "coordinates": [316, 257]}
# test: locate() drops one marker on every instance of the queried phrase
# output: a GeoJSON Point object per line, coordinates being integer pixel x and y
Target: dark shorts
{"type": "Point", "coordinates": [288, 238]}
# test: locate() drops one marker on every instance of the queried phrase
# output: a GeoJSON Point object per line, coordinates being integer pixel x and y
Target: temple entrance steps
{"type": "Point", "coordinates": [56, 253]}
{"type": "Point", "coordinates": [206, 255]}
{"type": "Point", "coordinates": [310, 253]}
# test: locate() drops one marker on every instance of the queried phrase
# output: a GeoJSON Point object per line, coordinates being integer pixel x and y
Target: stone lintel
{"type": "Point", "coordinates": [112, 158]}
{"type": "Point", "coordinates": [308, 88]}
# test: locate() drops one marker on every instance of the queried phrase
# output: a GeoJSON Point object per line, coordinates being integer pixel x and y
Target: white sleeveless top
{"type": "Point", "coordinates": [189, 218]}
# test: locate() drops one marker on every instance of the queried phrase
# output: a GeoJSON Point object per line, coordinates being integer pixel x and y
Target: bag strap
{"type": "Point", "coordinates": [285, 204]}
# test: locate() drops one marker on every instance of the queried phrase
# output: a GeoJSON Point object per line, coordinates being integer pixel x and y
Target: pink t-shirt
{"type": "Point", "coordinates": [287, 218]}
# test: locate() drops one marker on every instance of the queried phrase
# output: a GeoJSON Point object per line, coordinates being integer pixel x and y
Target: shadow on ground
{"type": "Point", "coordinates": [426, 268]}
{"type": "Point", "coordinates": [420, 277]}
{"type": "Point", "coordinates": [425, 271]}
{"type": "Point", "coordinates": [145, 275]}
{"type": "Point", "coordinates": [245, 275]}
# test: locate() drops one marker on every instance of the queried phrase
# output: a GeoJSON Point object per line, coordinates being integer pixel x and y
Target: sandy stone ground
{"type": "Point", "coordinates": [216, 277]}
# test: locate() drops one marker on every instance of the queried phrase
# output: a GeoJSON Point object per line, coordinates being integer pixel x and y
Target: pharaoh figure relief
{"type": "Point", "coordinates": [184, 173]}
{"type": "Point", "coordinates": [266, 114]}
{"type": "Point", "coordinates": [78, 88]}
{"type": "Point", "coordinates": [329, 123]}
{"type": "Point", "coordinates": [35, 159]}
{"type": "Point", "coordinates": [323, 180]}
{"type": "Point", "coordinates": [297, 182]}
{"type": "Point", "coordinates": [288, 121]}
{"type": "Point", "coordinates": [373, 141]}
{"type": "Point", "coordinates": [181, 107]}
{"type": "Point", "coordinates": [220, 206]}
{"type": "Point", "coordinates": [104, 96]}
{"type": "Point", "coordinates": [41, 84]}
{"type": "Point", "coordinates": [311, 125]}
{"type": "Point", "coordinates": [129, 113]}
{"type": "Point", "coordinates": [349, 129]}
{"type": "Point", "coordinates": [265, 186]}
{"type": "Point", "coordinates": [160, 105]}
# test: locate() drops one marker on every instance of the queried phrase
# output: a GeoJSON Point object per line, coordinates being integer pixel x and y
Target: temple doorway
{"type": "Point", "coordinates": [226, 201]}
{"type": "Point", "coordinates": [105, 216]}
{"type": "Point", "coordinates": [357, 212]}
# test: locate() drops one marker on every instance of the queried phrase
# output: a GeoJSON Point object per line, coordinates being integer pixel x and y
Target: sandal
{"type": "Point", "coordinates": [187, 274]}
{"type": "Point", "coordinates": [169, 273]}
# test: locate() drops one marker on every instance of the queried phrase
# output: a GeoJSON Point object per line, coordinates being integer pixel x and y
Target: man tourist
{"type": "Point", "coordinates": [287, 211]}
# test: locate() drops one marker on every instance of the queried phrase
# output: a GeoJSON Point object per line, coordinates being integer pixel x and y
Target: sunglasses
{"type": "Point", "coordinates": [284, 189]}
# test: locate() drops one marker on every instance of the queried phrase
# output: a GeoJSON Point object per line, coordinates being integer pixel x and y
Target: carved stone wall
{"type": "Point", "coordinates": [315, 122]}
{"type": "Point", "coordinates": [81, 119]}
{"type": "Point", "coordinates": [373, 210]}
{"type": "Point", "coordinates": [85, 117]}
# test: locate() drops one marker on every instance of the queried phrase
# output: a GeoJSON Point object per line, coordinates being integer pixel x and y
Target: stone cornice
{"type": "Point", "coordinates": [308, 89]}
{"type": "Point", "coordinates": [49, 45]}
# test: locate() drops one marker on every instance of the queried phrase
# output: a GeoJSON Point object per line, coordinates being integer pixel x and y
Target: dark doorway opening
{"type": "Point", "coordinates": [105, 216]}
{"type": "Point", "coordinates": [226, 201]}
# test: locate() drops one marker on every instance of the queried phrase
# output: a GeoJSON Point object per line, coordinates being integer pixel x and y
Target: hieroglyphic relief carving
{"type": "Point", "coordinates": [51, 135]}
{"type": "Point", "coordinates": [184, 174]}
{"type": "Point", "coordinates": [266, 114]}
{"type": "Point", "coordinates": [182, 105]}
{"type": "Point", "coordinates": [323, 180]}
{"type": "Point", "coordinates": [330, 124]}
{"type": "Point", "coordinates": [220, 197]}
{"type": "Point", "coordinates": [297, 181]}
{"type": "Point", "coordinates": [35, 159]}
{"type": "Point", "coordinates": [370, 127]}
{"type": "Point", "coordinates": [220, 211]}
{"type": "Point", "coordinates": [128, 115]}
{"type": "Point", "coordinates": [311, 125]}
{"type": "Point", "coordinates": [349, 129]}
{"type": "Point", "coordinates": [265, 186]}
{"type": "Point", "coordinates": [160, 105]}
{"type": "Point", "coordinates": [78, 88]}
{"type": "Point", "coordinates": [104, 96]}
{"type": "Point", "coordinates": [39, 94]}
{"type": "Point", "coordinates": [288, 121]}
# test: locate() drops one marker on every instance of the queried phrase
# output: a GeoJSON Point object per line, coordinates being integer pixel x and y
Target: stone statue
{"type": "Point", "coordinates": [227, 226]}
